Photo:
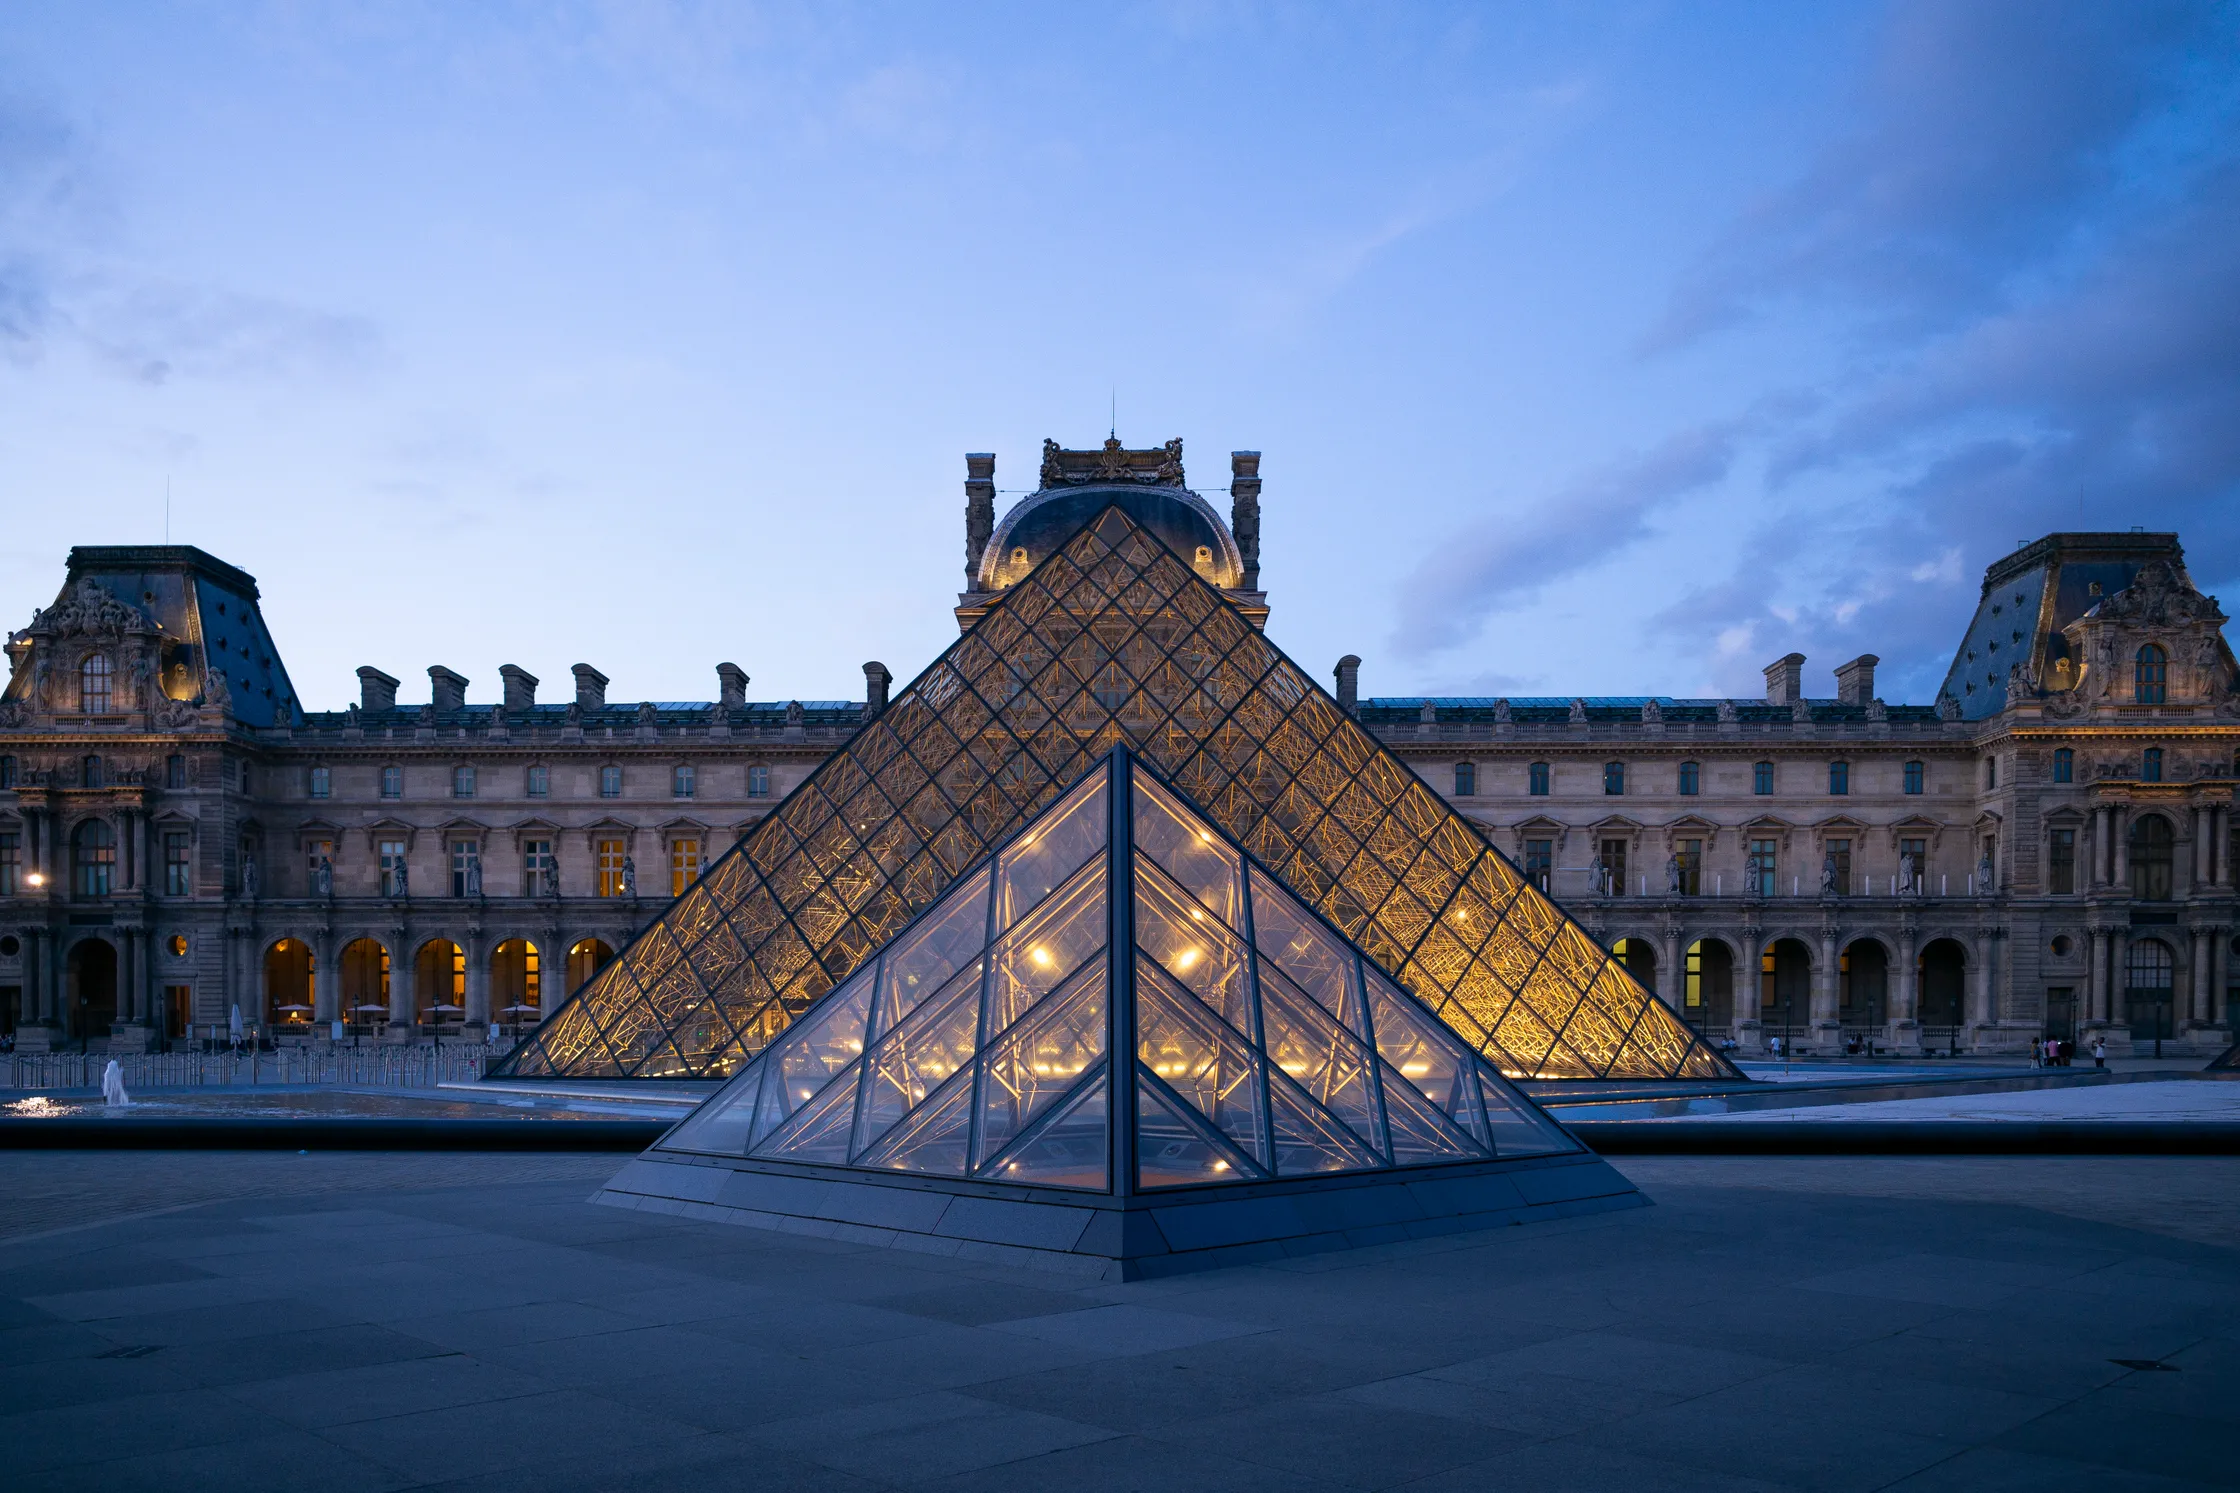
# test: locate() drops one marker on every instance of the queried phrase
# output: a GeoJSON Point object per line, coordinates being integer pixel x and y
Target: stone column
{"type": "Point", "coordinates": [404, 978]}
{"type": "Point", "coordinates": [2220, 975]}
{"type": "Point", "coordinates": [1673, 976]}
{"type": "Point", "coordinates": [326, 980]}
{"type": "Point", "coordinates": [1904, 1023]}
{"type": "Point", "coordinates": [1827, 997]}
{"type": "Point", "coordinates": [478, 978]}
{"type": "Point", "coordinates": [2096, 978]}
{"type": "Point", "coordinates": [1979, 981]}
{"type": "Point", "coordinates": [2197, 983]}
{"type": "Point", "coordinates": [2118, 938]}
{"type": "Point", "coordinates": [2120, 876]}
{"type": "Point", "coordinates": [2201, 868]}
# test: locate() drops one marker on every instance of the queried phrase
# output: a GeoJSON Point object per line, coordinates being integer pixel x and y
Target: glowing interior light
{"type": "Point", "coordinates": [1040, 956]}
{"type": "Point", "coordinates": [1197, 916]}
{"type": "Point", "coordinates": [1186, 958]}
{"type": "Point", "coordinates": [1221, 1166]}
{"type": "Point", "coordinates": [1415, 1070]}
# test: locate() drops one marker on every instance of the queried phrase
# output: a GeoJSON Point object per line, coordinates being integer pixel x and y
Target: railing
{"type": "Point", "coordinates": [401, 1068]}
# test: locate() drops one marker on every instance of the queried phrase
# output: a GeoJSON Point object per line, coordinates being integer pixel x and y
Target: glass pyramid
{"type": "Point", "coordinates": [1118, 934]}
{"type": "Point", "coordinates": [1111, 641]}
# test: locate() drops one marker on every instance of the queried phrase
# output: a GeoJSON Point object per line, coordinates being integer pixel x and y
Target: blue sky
{"type": "Point", "coordinates": [1592, 349]}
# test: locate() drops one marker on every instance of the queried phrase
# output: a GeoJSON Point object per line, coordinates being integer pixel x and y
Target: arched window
{"type": "Point", "coordinates": [1761, 778]}
{"type": "Point", "coordinates": [2150, 850]}
{"type": "Point", "coordinates": [1539, 780]}
{"type": "Point", "coordinates": [93, 684]}
{"type": "Point", "coordinates": [1613, 778]}
{"type": "Point", "coordinates": [2064, 765]}
{"type": "Point", "coordinates": [2150, 676]}
{"type": "Point", "coordinates": [1839, 778]}
{"type": "Point", "coordinates": [2150, 765]}
{"type": "Point", "coordinates": [1691, 779]}
{"type": "Point", "coordinates": [1465, 779]}
{"type": "Point", "coordinates": [93, 850]}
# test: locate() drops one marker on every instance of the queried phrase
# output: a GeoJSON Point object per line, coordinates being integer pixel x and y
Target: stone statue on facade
{"type": "Point", "coordinates": [1578, 712]}
{"type": "Point", "coordinates": [400, 879]}
{"type": "Point", "coordinates": [1652, 714]}
{"type": "Point", "coordinates": [217, 694]}
{"type": "Point", "coordinates": [1672, 875]}
{"type": "Point", "coordinates": [1828, 874]}
{"type": "Point", "coordinates": [552, 876]}
{"type": "Point", "coordinates": [1909, 873]}
{"type": "Point", "coordinates": [1728, 715]}
{"type": "Point", "coordinates": [249, 878]}
{"type": "Point", "coordinates": [474, 878]}
{"type": "Point", "coordinates": [1502, 715]}
{"type": "Point", "coordinates": [629, 877]}
{"type": "Point", "coordinates": [1598, 875]}
{"type": "Point", "coordinates": [322, 880]}
{"type": "Point", "coordinates": [1986, 878]}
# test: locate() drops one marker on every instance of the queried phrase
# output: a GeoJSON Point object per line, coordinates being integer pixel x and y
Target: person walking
{"type": "Point", "coordinates": [2099, 1051]}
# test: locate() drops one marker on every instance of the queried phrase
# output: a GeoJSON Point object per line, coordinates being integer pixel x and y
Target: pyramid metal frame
{"type": "Point", "coordinates": [1112, 640]}
{"type": "Point", "coordinates": [1121, 1071]}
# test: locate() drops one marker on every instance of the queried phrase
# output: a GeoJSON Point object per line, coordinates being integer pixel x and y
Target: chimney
{"type": "Point", "coordinates": [1244, 513]}
{"type": "Point", "coordinates": [731, 686]}
{"type": "Point", "coordinates": [979, 511]}
{"type": "Point", "coordinates": [1855, 680]}
{"type": "Point", "coordinates": [1349, 684]}
{"type": "Point", "coordinates": [449, 689]}
{"type": "Point", "coordinates": [591, 687]}
{"type": "Point", "coordinates": [1785, 680]}
{"type": "Point", "coordinates": [376, 690]}
{"type": "Point", "coordinates": [875, 682]}
{"type": "Point", "coordinates": [521, 686]}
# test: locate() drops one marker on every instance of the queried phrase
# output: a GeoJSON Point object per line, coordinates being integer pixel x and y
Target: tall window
{"type": "Point", "coordinates": [1761, 778]}
{"type": "Point", "coordinates": [609, 856]}
{"type": "Point", "coordinates": [466, 857]}
{"type": "Point", "coordinates": [93, 773]}
{"type": "Point", "coordinates": [1918, 852]}
{"type": "Point", "coordinates": [1840, 852]}
{"type": "Point", "coordinates": [1915, 776]}
{"type": "Point", "coordinates": [93, 684]}
{"type": "Point", "coordinates": [1690, 857]}
{"type": "Point", "coordinates": [178, 863]}
{"type": "Point", "coordinates": [2150, 676]}
{"type": "Point", "coordinates": [1613, 777]}
{"type": "Point", "coordinates": [1839, 778]}
{"type": "Point", "coordinates": [1990, 772]}
{"type": "Point", "coordinates": [758, 782]}
{"type": "Point", "coordinates": [392, 862]}
{"type": "Point", "coordinates": [2150, 765]}
{"type": "Point", "coordinates": [2151, 845]}
{"type": "Point", "coordinates": [1539, 773]}
{"type": "Point", "coordinates": [8, 771]}
{"type": "Point", "coordinates": [682, 781]}
{"type": "Point", "coordinates": [1465, 779]}
{"type": "Point", "coordinates": [175, 772]}
{"type": "Point", "coordinates": [314, 853]}
{"type": "Point", "coordinates": [540, 782]}
{"type": "Point", "coordinates": [1691, 779]}
{"type": "Point", "coordinates": [1539, 862]}
{"type": "Point", "coordinates": [2064, 765]}
{"type": "Point", "coordinates": [462, 782]}
{"type": "Point", "coordinates": [2061, 862]}
{"type": "Point", "coordinates": [94, 850]}
{"type": "Point", "coordinates": [1760, 867]}
{"type": "Point", "coordinates": [11, 863]}
{"type": "Point", "coordinates": [392, 782]}
{"type": "Point", "coordinates": [1614, 865]}
{"type": "Point", "coordinates": [536, 856]}
{"type": "Point", "coordinates": [610, 782]}
{"type": "Point", "coordinates": [684, 865]}
{"type": "Point", "coordinates": [322, 782]}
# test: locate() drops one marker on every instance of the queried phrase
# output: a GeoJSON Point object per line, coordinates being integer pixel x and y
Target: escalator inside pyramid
{"type": "Point", "coordinates": [1111, 608]}
{"type": "Point", "coordinates": [1118, 1046]}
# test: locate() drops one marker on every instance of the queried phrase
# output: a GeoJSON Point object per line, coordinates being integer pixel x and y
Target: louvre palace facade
{"type": "Point", "coordinates": [2046, 847]}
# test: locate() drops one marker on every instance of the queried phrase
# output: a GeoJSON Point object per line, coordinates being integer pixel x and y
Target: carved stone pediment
{"type": "Point", "coordinates": [2159, 608]}
{"type": "Point", "coordinates": [1112, 462]}
{"type": "Point", "coordinates": [89, 610]}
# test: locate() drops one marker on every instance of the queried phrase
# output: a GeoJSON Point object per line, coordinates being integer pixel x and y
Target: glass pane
{"type": "Point", "coordinates": [819, 1131]}
{"type": "Point", "coordinates": [1425, 1054]}
{"type": "Point", "coordinates": [1070, 1151]}
{"type": "Point", "coordinates": [1307, 1139]}
{"type": "Point", "coordinates": [933, 1139]}
{"type": "Point", "coordinates": [1203, 1061]}
{"type": "Point", "coordinates": [828, 1040]}
{"type": "Point", "coordinates": [1305, 950]}
{"type": "Point", "coordinates": [1420, 1133]}
{"type": "Point", "coordinates": [1187, 849]}
{"type": "Point", "coordinates": [723, 1125]}
{"type": "Point", "coordinates": [917, 1057]}
{"type": "Point", "coordinates": [1517, 1128]}
{"type": "Point", "coordinates": [1173, 1152]}
{"type": "Point", "coordinates": [934, 950]}
{"type": "Point", "coordinates": [1035, 867]}
{"type": "Point", "coordinates": [1042, 1058]}
{"type": "Point", "coordinates": [1051, 944]}
{"type": "Point", "coordinates": [1318, 1056]}
{"type": "Point", "coordinates": [1190, 945]}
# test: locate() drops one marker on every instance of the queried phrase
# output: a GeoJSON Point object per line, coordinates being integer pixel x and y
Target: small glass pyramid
{"type": "Point", "coordinates": [1113, 640]}
{"type": "Point", "coordinates": [1118, 933]}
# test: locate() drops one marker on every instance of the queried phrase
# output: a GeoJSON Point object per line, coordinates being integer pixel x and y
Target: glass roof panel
{"type": "Point", "coordinates": [1042, 1058]}
{"type": "Point", "coordinates": [1072, 1150]}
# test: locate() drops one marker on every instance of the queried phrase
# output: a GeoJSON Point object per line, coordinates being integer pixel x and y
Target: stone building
{"type": "Point", "coordinates": [2048, 846]}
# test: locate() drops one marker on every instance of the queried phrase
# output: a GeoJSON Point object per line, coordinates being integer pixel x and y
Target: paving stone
{"type": "Point", "coordinates": [925, 1436]}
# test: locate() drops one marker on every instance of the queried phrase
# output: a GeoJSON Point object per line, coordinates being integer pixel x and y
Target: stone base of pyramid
{"type": "Point", "coordinates": [1119, 1239]}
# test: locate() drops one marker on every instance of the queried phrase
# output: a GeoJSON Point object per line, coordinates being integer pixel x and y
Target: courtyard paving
{"type": "Point", "coordinates": [338, 1323]}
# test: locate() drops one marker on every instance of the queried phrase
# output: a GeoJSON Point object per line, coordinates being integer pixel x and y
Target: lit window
{"type": "Point", "coordinates": [2064, 765]}
{"type": "Point", "coordinates": [1914, 776]}
{"type": "Point", "coordinates": [174, 772]}
{"type": "Point", "coordinates": [610, 855]}
{"type": "Point", "coordinates": [178, 863]}
{"type": "Point", "coordinates": [682, 781]}
{"type": "Point", "coordinates": [1614, 777]}
{"type": "Point", "coordinates": [93, 684]}
{"type": "Point", "coordinates": [1839, 778]}
{"type": "Point", "coordinates": [462, 782]}
{"type": "Point", "coordinates": [392, 865]}
{"type": "Point", "coordinates": [1691, 779]}
{"type": "Point", "coordinates": [322, 782]}
{"type": "Point", "coordinates": [684, 865]}
{"type": "Point", "coordinates": [392, 782]}
{"type": "Point", "coordinates": [1761, 778]}
{"type": "Point", "coordinates": [2150, 765]}
{"type": "Point", "coordinates": [540, 782]}
{"type": "Point", "coordinates": [93, 848]}
{"type": "Point", "coordinates": [1465, 779]}
{"type": "Point", "coordinates": [1690, 857]}
{"type": "Point", "coordinates": [466, 866]}
{"type": "Point", "coordinates": [11, 863]}
{"type": "Point", "coordinates": [536, 858]}
{"type": "Point", "coordinates": [610, 782]}
{"type": "Point", "coordinates": [2150, 676]}
{"type": "Point", "coordinates": [758, 782]}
